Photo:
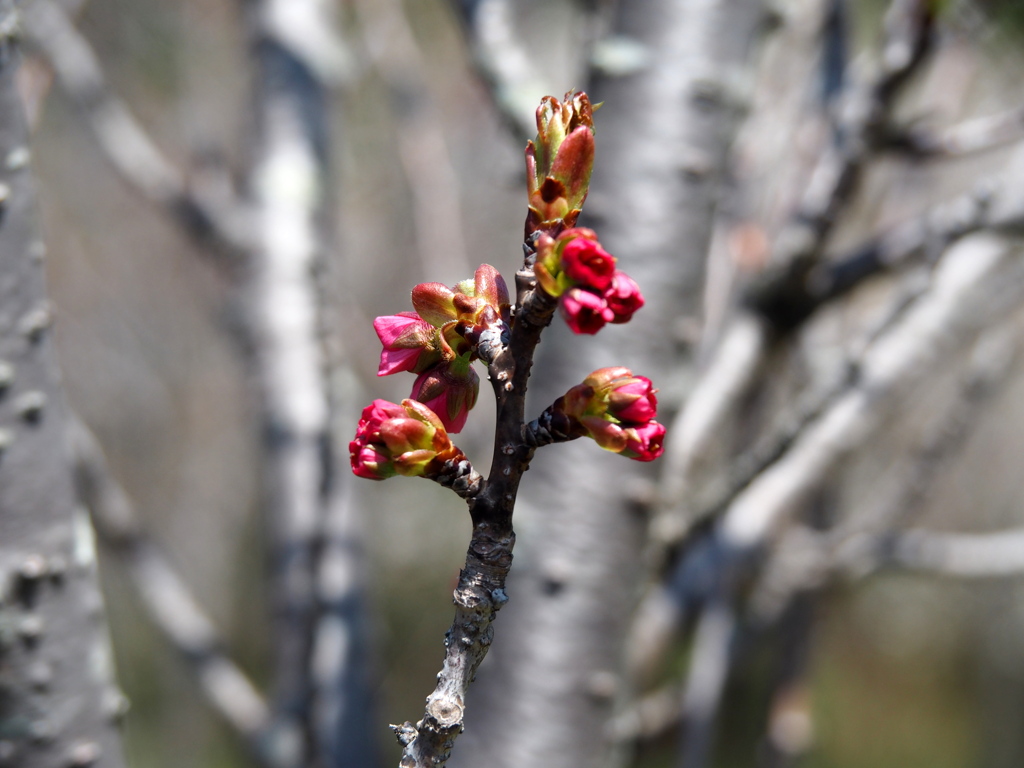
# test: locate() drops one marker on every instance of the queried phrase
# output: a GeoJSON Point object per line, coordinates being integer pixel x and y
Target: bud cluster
{"type": "Point", "coordinates": [616, 409]}
{"type": "Point", "coordinates": [450, 328]}
{"type": "Point", "coordinates": [407, 439]}
{"type": "Point", "coordinates": [581, 274]}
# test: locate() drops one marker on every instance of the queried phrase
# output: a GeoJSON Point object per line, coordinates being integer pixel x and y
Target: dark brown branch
{"type": "Point", "coordinates": [481, 589]}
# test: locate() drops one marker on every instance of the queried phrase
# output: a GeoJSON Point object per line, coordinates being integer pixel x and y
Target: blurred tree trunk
{"type": "Point", "coordinates": [321, 690]}
{"type": "Point", "coordinates": [58, 704]}
{"type": "Point", "coordinates": [548, 687]}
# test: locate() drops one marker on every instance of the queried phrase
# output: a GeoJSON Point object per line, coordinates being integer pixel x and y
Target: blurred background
{"type": "Point", "coordinates": [905, 670]}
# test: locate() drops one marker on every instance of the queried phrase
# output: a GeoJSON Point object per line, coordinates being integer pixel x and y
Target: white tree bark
{"type": "Point", "coordinates": [546, 696]}
{"type": "Point", "coordinates": [58, 703]}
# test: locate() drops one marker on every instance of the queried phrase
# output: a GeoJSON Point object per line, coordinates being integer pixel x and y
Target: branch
{"type": "Point", "coordinates": [481, 589]}
{"type": "Point", "coordinates": [171, 606]}
{"type": "Point", "coordinates": [976, 282]}
{"type": "Point", "coordinates": [803, 559]}
{"type": "Point", "coordinates": [971, 137]}
{"type": "Point", "coordinates": [204, 213]}
{"type": "Point", "coordinates": [773, 303]}
{"type": "Point", "coordinates": [836, 178]}
{"type": "Point", "coordinates": [963, 555]}
{"type": "Point", "coordinates": [707, 675]}
{"type": "Point", "coordinates": [551, 684]}
{"type": "Point", "coordinates": [289, 190]}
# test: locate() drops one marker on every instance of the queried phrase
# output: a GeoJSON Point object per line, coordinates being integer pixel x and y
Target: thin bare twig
{"type": "Point", "coordinates": [422, 148]}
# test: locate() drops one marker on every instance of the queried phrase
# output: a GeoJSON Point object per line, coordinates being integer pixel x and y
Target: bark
{"type": "Point", "coordinates": [58, 704]}
{"type": "Point", "coordinates": [317, 678]}
{"type": "Point", "coordinates": [663, 137]}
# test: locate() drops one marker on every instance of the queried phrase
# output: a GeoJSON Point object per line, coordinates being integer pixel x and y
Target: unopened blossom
{"type": "Point", "coordinates": [408, 341]}
{"type": "Point", "coordinates": [392, 439]}
{"type": "Point", "coordinates": [450, 391]}
{"type": "Point", "coordinates": [584, 311]}
{"type": "Point", "coordinates": [559, 162]}
{"type": "Point", "coordinates": [644, 442]}
{"type": "Point", "coordinates": [626, 397]}
{"type": "Point", "coordinates": [586, 263]}
{"type": "Point", "coordinates": [623, 297]}
{"type": "Point", "coordinates": [616, 409]}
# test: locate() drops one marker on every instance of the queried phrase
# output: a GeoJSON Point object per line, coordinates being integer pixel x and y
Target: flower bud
{"type": "Point", "coordinates": [584, 311]}
{"type": "Point", "coordinates": [644, 442]}
{"type": "Point", "coordinates": [435, 303]}
{"type": "Point", "coordinates": [408, 341]}
{"type": "Point", "coordinates": [406, 439]}
{"type": "Point", "coordinates": [559, 162]}
{"type": "Point", "coordinates": [614, 408]}
{"type": "Point", "coordinates": [624, 396]}
{"type": "Point", "coordinates": [584, 260]}
{"type": "Point", "coordinates": [623, 297]}
{"type": "Point", "coordinates": [450, 391]}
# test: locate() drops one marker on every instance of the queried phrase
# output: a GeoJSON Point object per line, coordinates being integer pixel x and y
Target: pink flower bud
{"type": "Point", "coordinates": [584, 260]}
{"type": "Point", "coordinates": [616, 409]}
{"type": "Point", "coordinates": [406, 439]}
{"type": "Point", "coordinates": [369, 461]}
{"type": "Point", "coordinates": [633, 401]}
{"type": "Point", "coordinates": [584, 311]}
{"type": "Point", "coordinates": [449, 392]}
{"type": "Point", "coordinates": [408, 341]}
{"type": "Point", "coordinates": [623, 297]}
{"type": "Point", "coordinates": [644, 442]}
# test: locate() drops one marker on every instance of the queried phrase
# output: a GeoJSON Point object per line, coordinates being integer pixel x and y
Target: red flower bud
{"type": "Point", "coordinates": [585, 312]}
{"type": "Point", "coordinates": [623, 297]}
{"type": "Point", "coordinates": [616, 409]}
{"type": "Point", "coordinates": [395, 439]}
{"type": "Point", "coordinates": [450, 391]}
{"type": "Point", "coordinates": [644, 442]}
{"type": "Point", "coordinates": [584, 260]}
{"type": "Point", "coordinates": [408, 343]}
{"type": "Point", "coordinates": [630, 398]}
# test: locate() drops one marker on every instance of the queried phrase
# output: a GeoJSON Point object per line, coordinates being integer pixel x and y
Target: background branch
{"type": "Point", "coordinates": [168, 600]}
{"type": "Point", "coordinates": [203, 213]}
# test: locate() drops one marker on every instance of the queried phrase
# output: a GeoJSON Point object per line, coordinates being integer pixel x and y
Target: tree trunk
{"type": "Point", "coordinates": [549, 686]}
{"type": "Point", "coordinates": [58, 704]}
